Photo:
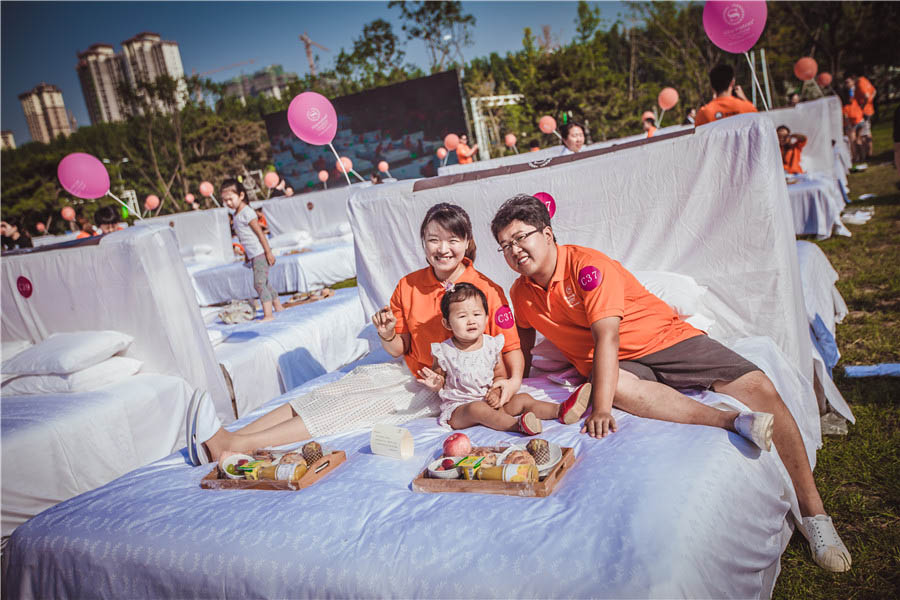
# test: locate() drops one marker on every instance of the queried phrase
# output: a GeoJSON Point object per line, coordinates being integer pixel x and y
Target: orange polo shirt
{"type": "Point", "coordinates": [464, 154]}
{"type": "Point", "coordinates": [416, 304]}
{"type": "Point", "coordinates": [588, 286]}
{"type": "Point", "coordinates": [864, 87]}
{"type": "Point", "coordinates": [651, 131]}
{"type": "Point", "coordinates": [791, 158]}
{"type": "Point", "coordinates": [720, 108]}
{"type": "Point", "coordinates": [853, 112]}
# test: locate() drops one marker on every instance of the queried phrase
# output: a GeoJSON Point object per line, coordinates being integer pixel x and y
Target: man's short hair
{"type": "Point", "coordinates": [106, 215]}
{"type": "Point", "coordinates": [785, 127]}
{"type": "Point", "coordinates": [721, 77]}
{"type": "Point", "coordinates": [522, 207]}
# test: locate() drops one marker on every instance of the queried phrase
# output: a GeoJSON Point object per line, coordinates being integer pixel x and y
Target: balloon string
{"type": "Point", "coordinates": [213, 196]}
{"type": "Point", "coordinates": [388, 173]}
{"type": "Point", "coordinates": [756, 81]}
{"type": "Point", "coordinates": [556, 133]}
{"type": "Point", "coordinates": [357, 175]}
{"type": "Point", "coordinates": [516, 150]}
{"type": "Point", "coordinates": [113, 196]}
{"type": "Point", "coordinates": [661, 115]}
{"type": "Point", "coordinates": [340, 162]}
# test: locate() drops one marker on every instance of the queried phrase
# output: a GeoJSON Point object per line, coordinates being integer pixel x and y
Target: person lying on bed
{"type": "Point", "coordinates": [638, 352]}
{"type": "Point", "coordinates": [791, 149]}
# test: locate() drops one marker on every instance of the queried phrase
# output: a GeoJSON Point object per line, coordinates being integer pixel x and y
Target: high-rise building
{"type": "Point", "coordinates": [143, 58]}
{"type": "Point", "coordinates": [7, 140]}
{"type": "Point", "coordinates": [100, 72]}
{"type": "Point", "coordinates": [271, 81]}
{"type": "Point", "coordinates": [45, 113]}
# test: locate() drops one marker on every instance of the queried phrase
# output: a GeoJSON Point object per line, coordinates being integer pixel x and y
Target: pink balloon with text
{"type": "Point", "coordinates": [589, 278]}
{"type": "Point", "coordinates": [83, 176]}
{"type": "Point", "coordinates": [548, 201]}
{"type": "Point", "coordinates": [312, 118]}
{"type": "Point", "coordinates": [734, 26]}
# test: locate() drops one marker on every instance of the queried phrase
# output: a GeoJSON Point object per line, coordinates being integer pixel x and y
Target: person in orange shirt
{"type": "Point", "coordinates": [863, 93]}
{"type": "Point", "coordinates": [107, 219]}
{"type": "Point", "coordinates": [853, 124]}
{"type": "Point", "coordinates": [791, 149]}
{"type": "Point", "coordinates": [463, 152]}
{"type": "Point", "coordinates": [638, 353]}
{"type": "Point", "coordinates": [86, 230]}
{"type": "Point", "coordinates": [728, 98]}
{"type": "Point", "coordinates": [648, 122]}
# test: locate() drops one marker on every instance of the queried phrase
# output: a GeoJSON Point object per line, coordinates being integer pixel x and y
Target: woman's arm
{"type": "Point", "coordinates": [396, 344]}
{"type": "Point", "coordinates": [257, 229]}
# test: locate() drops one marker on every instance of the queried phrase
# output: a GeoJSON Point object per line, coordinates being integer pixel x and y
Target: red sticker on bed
{"type": "Point", "coordinates": [23, 284]}
{"type": "Point", "coordinates": [503, 317]}
{"type": "Point", "coordinates": [589, 278]}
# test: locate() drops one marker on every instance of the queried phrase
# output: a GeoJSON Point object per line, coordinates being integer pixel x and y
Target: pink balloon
{"type": "Point", "coordinates": [271, 179]}
{"type": "Point", "coordinates": [732, 25]}
{"type": "Point", "coordinates": [344, 165]}
{"type": "Point", "coordinates": [83, 176]}
{"type": "Point", "coordinates": [824, 79]}
{"type": "Point", "coordinates": [312, 118]}
{"type": "Point", "coordinates": [667, 98]}
{"type": "Point", "coordinates": [41, 227]}
{"type": "Point", "coordinates": [68, 213]}
{"type": "Point", "coordinates": [323, 176]}
{"type": "Point", "coordinates": [451, 141]}
{"type": "Point", "coordinates": [152, 202]}
{"type": "Point", "coordinates": [189, 199]}
{"type": "Point", "coordinates": [510, 140]}
{"type": "Point", "coordinates": [805, 68]}
{"type": "Point", "coordinates": [441, 153]}
{"type": "Point", "coordinates": [548, 201]}
{"type": "Point", "coordinates": [206, 189]}
{"type": "Point", "coordinates": [383, 166]}
{"type": "Point", "coordinates": [547, 124]}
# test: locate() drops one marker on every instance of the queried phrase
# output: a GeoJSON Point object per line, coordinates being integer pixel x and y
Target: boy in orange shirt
{"type": "Point", "coordinates": [791, 149]}
{"type": "Point", "coordinates": [728, 98]}
{"type": "Point", "coordinates": [637, 351]}
{"type": "Point", "coordinates": [648, 123]}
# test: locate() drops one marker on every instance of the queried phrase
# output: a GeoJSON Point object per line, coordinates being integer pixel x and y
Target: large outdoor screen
{"type": "Point", "coordinates": [403, 124]}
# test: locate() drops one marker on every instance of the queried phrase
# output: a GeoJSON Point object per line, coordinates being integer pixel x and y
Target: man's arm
{"type": "Point", "coordinates": [605, 376]}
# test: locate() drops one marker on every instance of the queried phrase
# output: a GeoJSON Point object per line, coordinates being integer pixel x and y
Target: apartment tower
{"type": "Point", "coordinates": [45, 113]}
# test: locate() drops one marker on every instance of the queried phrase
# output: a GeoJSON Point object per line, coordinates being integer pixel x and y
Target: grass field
{"type": "Point", "coordinates": [859, 474]}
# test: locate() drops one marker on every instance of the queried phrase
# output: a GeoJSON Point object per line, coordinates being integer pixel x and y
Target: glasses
{"type": "Point", "coordinates": [515, 242]}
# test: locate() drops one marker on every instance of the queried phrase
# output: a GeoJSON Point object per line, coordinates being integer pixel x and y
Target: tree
{"type": "Point", "coordinates": [441, 25]}
{"type": "Point", "coordinates": [587, 21]}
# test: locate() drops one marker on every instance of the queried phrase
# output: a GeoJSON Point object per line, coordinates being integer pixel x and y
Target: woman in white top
{"type": "Point", "coordinates": [256, 246]}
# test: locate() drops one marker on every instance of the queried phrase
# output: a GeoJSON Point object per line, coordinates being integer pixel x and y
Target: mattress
{"type": "Point", "coordinates": [58, 446]}
{"type": "Point", "coordinates": [266, 359]}
{"type": "Point", "coordinates": [655, 510]}
{"type": "Point", "coordinates": [326, 263]}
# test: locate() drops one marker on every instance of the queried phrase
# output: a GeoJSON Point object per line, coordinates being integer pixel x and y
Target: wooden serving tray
{"type": "Point", "coordinates": [317, 471]}
{"type": "Point", "coordinates": [540, 489]}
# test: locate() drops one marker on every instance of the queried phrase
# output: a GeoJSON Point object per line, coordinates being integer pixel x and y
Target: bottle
{"type": "Point", "coordinates": [511, 473]}
{"type": "Point", "coordinates": [286, 472]}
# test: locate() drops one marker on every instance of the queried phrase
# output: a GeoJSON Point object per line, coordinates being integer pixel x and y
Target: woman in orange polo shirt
{"type": "Point", "coordinates": [412, 322]}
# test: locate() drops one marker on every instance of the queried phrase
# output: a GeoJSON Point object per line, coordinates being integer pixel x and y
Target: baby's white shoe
{"type": "Point", "coordinates": [756, 427]}
{"type": "Point", "coordinates": [828, 550]}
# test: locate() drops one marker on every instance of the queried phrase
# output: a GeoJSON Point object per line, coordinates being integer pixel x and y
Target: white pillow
{"type": "Point", "coordinates": [680, 292]}
{"type": "Point", "coordinates": [109, 371]}
{"type": "Point", "coordinates": [63, 353]}
{"type": "Point", "coordinates": [290, 239]}
{"type": "Point", "coordinates": [202, 249]}
{"type": "Point", "coordinates": [10, 349]}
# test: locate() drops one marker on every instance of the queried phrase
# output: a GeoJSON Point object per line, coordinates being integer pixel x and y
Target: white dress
{"type": "Point", "coordinates": [469, 375]}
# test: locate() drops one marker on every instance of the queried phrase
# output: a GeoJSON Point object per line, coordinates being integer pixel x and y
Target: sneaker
{"type": "Point", "coordinates": [756, 427]}
{"type": "Point", "coordinates": [529, 424]}
{"type": "Point", "coordinates": [575, 405]}
{"type": "Point", "coordinates": [828, 550]}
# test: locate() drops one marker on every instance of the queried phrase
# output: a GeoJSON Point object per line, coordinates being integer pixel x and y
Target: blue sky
{"type": "Point", "coordinates": [40, 40]}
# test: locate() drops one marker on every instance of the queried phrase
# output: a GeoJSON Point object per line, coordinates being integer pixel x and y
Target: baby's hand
{"type": "Point", "coordinates": [433, 381]}
{"type": "Point", "coordinates": [493, 397]}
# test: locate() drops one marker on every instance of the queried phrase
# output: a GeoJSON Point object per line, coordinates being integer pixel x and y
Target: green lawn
{"type": "Point", "coordinates": [859, 474]}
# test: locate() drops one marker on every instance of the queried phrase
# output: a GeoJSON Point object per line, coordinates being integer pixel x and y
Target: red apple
{"type": "Point", "coordinates": [457, 444]}
{"type": "Point", "coordinates": [447, 463]}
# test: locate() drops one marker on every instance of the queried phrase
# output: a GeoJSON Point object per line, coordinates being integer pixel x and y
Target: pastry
{"type": "Point", "coordinates": [294, 457]}
{"type": "Point", "coordinates": [312, 452]}
{"type": "Point", "coordinates": [519, 457]}
{"type": "Point", "coordinates": [540, 450]}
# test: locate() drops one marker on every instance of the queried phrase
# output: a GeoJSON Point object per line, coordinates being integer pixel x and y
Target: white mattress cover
{"type": "Point", "coordinates": [820, 121]}
{"type": "Point", "coordinates": [816, 203]}
{"type": "Point", "coordinates": [57, 446]}
{"type": "Point", "coordinates": [303, 342]}
{"type": "Point", "coordinates": [656, 510]}
{"type": "Point", "coordinates": [198, 227]}
{"type": "Point", "coordinates": [328, 262]}
{"type": "Point", "coordinates": [292, 213]}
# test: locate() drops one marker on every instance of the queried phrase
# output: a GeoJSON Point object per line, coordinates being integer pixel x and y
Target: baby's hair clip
{"type": "Point", "coordinates": [449, 286]}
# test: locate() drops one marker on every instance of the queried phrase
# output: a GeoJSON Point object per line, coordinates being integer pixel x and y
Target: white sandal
{"type": "Point", "coordinates": [828, 551]}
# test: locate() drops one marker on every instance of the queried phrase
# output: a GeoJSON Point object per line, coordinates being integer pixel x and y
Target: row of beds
{"type": "Point", "coordinates": [656, 510]}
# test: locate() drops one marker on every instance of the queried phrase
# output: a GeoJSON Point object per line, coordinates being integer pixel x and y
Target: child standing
{"type": "Point", "coordinates": [256, 246]}
{"type": "Point", "coordinates": [466, 366]}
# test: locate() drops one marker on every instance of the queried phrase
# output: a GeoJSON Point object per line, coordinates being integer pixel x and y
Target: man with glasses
{"type": "Point", "coordinates": [637, 352]}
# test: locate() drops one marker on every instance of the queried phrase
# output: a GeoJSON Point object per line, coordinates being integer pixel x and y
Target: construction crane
{"type": "Point", "coordinates": [225, 68]}
{"type": "Point", "coordinates": [309, 55]}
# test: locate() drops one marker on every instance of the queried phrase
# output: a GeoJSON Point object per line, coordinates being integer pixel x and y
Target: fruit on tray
{"type": "Point", "coordinates": [447, 463]}
{"type": "Point", "coordinates": [457, 444]}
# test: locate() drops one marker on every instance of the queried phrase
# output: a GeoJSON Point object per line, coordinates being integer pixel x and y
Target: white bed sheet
{"type": "Point", "coordinates": [303, 342]}
{"type": "Point", "coordinates": [656, 510]}
{"type": "Point", "coordinates": [328, 262]}
{"type": "Point", "coordinates": [57, 446]}
{"type": "Point", "coordinates": [816, 203]}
